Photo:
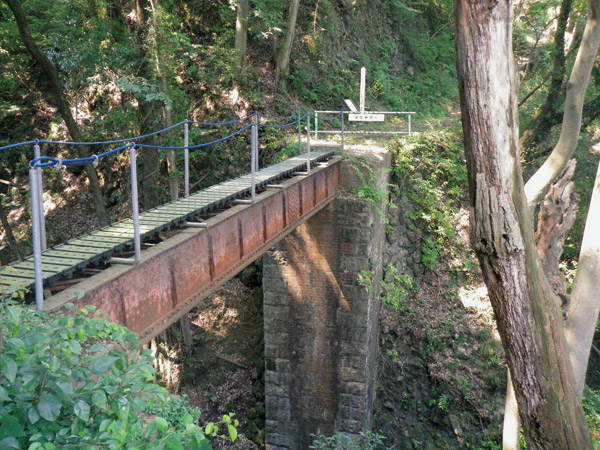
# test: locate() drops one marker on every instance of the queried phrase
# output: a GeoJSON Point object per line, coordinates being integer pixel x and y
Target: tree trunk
{"type": "Point", "coordinates": [241, 32]}
{"type": "Point", "coordinates": [10, 237]}
{"type": "Point", "coordinates": [282, 64]}
{"type": "Point", "coordinates": [527, 311]}
{"type": "Point", "coordinates": [148, 111]}
{"type": "Point", "coordinates": [62, 105]}
{"type": "Point", "coordinates": [511, 428]}
{"type": "Point", "coordinates": [541, 122]}
{"type": "Point", "coordinates": [165, 107]}
{"type": "Point", "coordinates": [583, 313]}
{"type": "Point", "coordinates": [538, 184]}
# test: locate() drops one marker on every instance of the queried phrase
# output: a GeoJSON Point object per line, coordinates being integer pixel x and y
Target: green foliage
{"type": "Point", "coordinates": [365, 440]}
{"type": "Point", "coordinates": [591, 406]}
{"type": "Point", "coordinates": [369, 187]}
{"type": "Point", "coordinates": [72, 382]}
{"type": "Point", "coordinates": [395, 288]}
{"type": "Point", "coordinates": [429, 171]}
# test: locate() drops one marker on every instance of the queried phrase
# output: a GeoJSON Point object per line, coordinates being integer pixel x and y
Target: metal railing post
{"type": "Point", "coordinates": [253, 155]}
{"type": "Point", "coordinates": [135, 206]}
{"type": "Point", "coordinates": [316, 125]}
{"type": "Point", "coordinates": [308, 143]}
{"type": "Point", "coordinates": [186, 159]}
{"type": "Point", "coordinates": [256, 163]}
{"type": "Point", "coordinates": [299, 133]}
{"type": "Point", "coordinates": [409, 124]}
{"type": "Point", "coordinates": [36, 235]}
{"type": "Point", "coordinates": [36, 154]}
{"type": "Point", "coordinates": [342, 132]}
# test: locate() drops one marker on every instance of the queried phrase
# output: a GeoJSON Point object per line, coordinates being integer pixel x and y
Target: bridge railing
{"type": "Point", "coordinates": [320, 116]}
{"type": "Point", "coordinates": [40, 162]}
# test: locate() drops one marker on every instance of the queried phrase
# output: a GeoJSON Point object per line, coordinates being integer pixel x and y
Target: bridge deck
{"type": "Point", "coordinates": [64, 260]}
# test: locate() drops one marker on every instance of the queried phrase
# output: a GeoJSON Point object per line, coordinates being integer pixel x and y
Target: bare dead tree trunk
{"type": "Point", "coordinates": [527, 311]}
{"type": "Point", "coordinates": [61, 103]}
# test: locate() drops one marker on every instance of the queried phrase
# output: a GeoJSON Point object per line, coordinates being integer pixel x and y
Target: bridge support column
{"type": "Point", "coordinates": [321, 324]}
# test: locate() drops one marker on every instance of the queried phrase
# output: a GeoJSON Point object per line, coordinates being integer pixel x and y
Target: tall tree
{"type": "Point", "coordinates": [526, 308]}
{"type": "Point", "coordinates": [241, 32]}
{"type": "Point", "coordinates": [148, 106]}
{"type": "Point", "coordinates": [542, 121]}
{"type": "Point", "coordinates": [282, 62]}
{"type": "Point", "coordinates": [60, 100]}
{"type": "Point", "coordinates": [161, 75]}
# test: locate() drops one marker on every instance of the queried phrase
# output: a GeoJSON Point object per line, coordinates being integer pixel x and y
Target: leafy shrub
{"type": "Point", "coordinates": [71, 382]}
{"type": "Point", "coordinates": [429, 171]}
{"type": "Point", "coordinates": [365, 440]}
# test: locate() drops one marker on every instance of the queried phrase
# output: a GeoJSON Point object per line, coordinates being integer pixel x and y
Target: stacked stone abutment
{"type": "Point", "coordinates": [320, 319]}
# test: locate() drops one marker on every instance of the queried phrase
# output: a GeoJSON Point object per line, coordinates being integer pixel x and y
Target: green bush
{"type": "Point", "coordinates": [429, 171]}
{"type": "Point", "coordinates": [365, 440]}
{"type": "Point", "coordinates": [73, 382]}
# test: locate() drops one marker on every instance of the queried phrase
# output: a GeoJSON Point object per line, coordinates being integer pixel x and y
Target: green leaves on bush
{"type": "Point", "coordinates": [429, 171]}
{"type": "Point", "coordinates": [73, 383]}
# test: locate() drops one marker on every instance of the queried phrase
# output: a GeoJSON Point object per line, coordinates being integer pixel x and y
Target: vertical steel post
{"type": "Point", "coordinates": [363, 87]}
{"type": "Point", "coordinates": [253, 155]}
{"type": "Point", "coordinates": [135, 206]}
{"type": "Point", "coordinates": [256, 163]}
{"type": "Point", "coordinates": [409, 124]}
{"type": "Point", "coordinates": [36, 154]}
{"type": "Point", "coordinates": [316, 125]}
{"type": "Point", "coordinates": [342, 132]}
{"type": "Point", "coordinates": [186, 159]}
{"type": "Point", "coordinates": [308, 143]}
{"type": "Point", "coordinates": [299, 133]}
{"type": "Point", "coordinates": [37, 241]}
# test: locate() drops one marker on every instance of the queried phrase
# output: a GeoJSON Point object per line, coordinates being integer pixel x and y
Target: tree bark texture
{"type": "Point", "coordinates": [241, 32]}
{"type": "Point", "coordinates": [538, 184]}
{"type": "Point", "coordinates": [527, 311]}
{"type": "Point", "coordinates": [283, 56]}
{"type": "Point", "coordinates": [555, 219]}
{"type": "Point", "coordinates": [10, 237]}
{"type": "Point", "coordinates": [62, 105]}
{"type": "Point", "coordinates": [585, 305]}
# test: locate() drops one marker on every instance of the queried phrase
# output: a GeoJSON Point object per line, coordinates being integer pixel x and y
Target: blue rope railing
{"type": "Point", "coordinates": [47, 161]}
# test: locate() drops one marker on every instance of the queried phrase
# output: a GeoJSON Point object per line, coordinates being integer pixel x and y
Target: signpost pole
{"type": "Point", "coordinates": [363, 87]}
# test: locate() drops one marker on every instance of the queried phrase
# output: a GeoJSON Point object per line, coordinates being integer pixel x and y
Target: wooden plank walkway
{"type": "Point", "coordinates": [62, 261]}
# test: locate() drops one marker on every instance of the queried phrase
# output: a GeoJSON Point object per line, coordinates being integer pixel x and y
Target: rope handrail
{"type": "Point", "coordinates": [215, 124]}
{"type": "Point", "coordinates": [299, 119]}
{"type": "Point", "coordinates": [191, 122]}
{"type": "Point", "coordinates": [295, 113]}
{"type": "Point", "coordinates": [37, 162]}
{"type": "Point", "coordinates": [191, 147]}
{"type": "Point", "coordinates": [130, 139]}
{"type": "Point", "coordinates": [330, 119]}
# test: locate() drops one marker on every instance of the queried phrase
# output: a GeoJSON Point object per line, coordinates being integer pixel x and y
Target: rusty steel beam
{"type": "Point", "coordinates": [173, 276]}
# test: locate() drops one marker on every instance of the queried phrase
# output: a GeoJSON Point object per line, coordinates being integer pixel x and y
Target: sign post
{"type": "Point", "coordinates": [363, 87]}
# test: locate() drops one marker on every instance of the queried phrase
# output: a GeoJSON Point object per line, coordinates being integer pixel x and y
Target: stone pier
{"type": "Point", "coordinates": [320, 320]}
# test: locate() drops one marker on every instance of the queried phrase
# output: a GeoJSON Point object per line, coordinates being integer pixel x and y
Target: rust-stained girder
{"type": "Point", "coordinates": [176, 274]}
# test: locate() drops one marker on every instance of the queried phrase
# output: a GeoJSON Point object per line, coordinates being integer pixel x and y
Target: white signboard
{"type": "Point", "coordinates": [350, 105]}
{"type": "Point", "coordinates": [366, 117]}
